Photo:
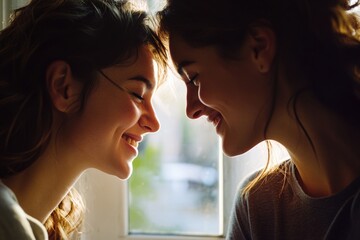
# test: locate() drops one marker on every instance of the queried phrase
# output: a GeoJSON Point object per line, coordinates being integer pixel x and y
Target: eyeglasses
{"type": "Point", "coordinates": [113, 82]}
{"type": "Point", "coordinates": [133, 94]}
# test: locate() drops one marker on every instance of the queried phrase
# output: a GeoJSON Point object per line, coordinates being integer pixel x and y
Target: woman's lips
{"type": "Point", "coordinates": [131, 139]}
{"type": "Point", "coordinates": [215, 119]}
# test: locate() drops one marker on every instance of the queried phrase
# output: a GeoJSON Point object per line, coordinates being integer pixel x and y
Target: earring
{"type": "Point", "coordinates": [261, 68]}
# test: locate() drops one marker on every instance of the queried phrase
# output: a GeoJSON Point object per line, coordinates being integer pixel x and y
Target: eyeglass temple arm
{"type": "Point", "coordinates": [112, 82]}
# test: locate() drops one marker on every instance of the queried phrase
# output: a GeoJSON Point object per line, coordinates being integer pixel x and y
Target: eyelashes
{"type": "Point", "coordinates": [137, 93]}
{"type": "Point", "coordinates": [137, 97]}
{"type": "Point", "coordinates": [193, 80]}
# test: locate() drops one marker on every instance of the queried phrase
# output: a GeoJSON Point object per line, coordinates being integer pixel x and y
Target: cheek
{"type": "Point", "coordinates": [128, 115]}
{"type": "Point", "coordinates": [101, 118]}
{"type": "Point", "coordinates": [110, 109]}
{"type": "Point", "coordinates": [217, 88]}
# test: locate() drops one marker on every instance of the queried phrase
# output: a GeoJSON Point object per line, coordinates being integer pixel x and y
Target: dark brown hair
{"type": "Point", "coordinates": [88, 35]}
{"type": "Point", "coordinates": [318, 43]}
{"type": "Point", "coordinates": [317, 40]}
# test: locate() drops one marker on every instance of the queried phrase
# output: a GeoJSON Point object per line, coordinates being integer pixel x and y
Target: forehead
{"type": "Point", "coordinates": [183, 54]}
{"type": "Point", "coordinates": [149, 59]}
{"type": "Point", "coordinates": [145, 57]}
{"type": "Point", "coordinates": [180, 50]}
{"type": "Point", "coordinates": [143, 64]}
{"type": "Point", "coordinates": [139, 66]}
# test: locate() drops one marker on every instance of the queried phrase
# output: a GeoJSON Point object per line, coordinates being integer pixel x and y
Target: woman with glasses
{"type": "Point", "coordinates": [76, 85]}
{"type": "Point", "coordinates": [284, 70]}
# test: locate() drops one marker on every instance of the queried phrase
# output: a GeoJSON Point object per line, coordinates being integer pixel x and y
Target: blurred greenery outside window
{"type": "Point", "coordinates": [174, 188]}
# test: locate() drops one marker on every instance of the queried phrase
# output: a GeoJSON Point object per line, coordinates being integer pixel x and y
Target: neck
{"type": "Point", "coordinates": [327, 155]}
{"type": "Point", "coordinates": [41, 187]}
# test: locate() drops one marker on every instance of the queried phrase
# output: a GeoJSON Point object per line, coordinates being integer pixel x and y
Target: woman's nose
{"type": "Point", "coordinates": [194, 107]}
{"type": "Point", "coordinates": [149, 120]}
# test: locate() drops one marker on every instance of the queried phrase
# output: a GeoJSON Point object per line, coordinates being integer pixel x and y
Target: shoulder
{"type": "Point", "coordinates": [355, 217]}
{"type": "Point", "coordinates": [9, 206]}
{"type": "Point", "coordinates": [13, 222]}
{"type": "Point", "coordinates": [274, 179]}
{"type": "Point", "coordinates": [350, 218]}
{"type": "Point", "coordinates": [347, 219]}
{"type": "Point", "coordinates": [266, 192]}
{"type": "Point", "coordinates": [256, 199]}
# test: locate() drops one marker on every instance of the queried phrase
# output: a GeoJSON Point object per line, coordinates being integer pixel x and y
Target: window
{"type": "Point", "coordinates": [182, 186]}
{"type": "Point", "coordinates": [177, 171]}
{"type": "Point", "coordinates": [6, 7]}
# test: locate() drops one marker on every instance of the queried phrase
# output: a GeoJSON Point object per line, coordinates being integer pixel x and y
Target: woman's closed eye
{"type": "Point", "coordinates": [191, 78]}
{"type": "Point", "coordinates": [137, 92]}
{"type": "Point", "coordinates": [138, 97]}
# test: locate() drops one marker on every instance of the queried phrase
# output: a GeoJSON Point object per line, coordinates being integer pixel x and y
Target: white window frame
{"type": "Point", "coordinates": [5, 9]}
{"type": "Point", "coordinates": [107, 203]}
{"type": "Point", "coordinates": [112, 207]}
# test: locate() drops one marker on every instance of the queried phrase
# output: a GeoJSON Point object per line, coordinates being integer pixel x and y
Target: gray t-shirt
{"type": "Point", "coordinates": [15, 224]}
{"type": "Point", "coordinates": [278, 208]}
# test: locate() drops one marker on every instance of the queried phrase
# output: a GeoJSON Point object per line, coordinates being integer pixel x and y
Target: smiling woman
{"type": "Point", "coordinates": [286, 71]}
{"type": "Point", "coordinates": [62, 111]}
{"type": "Point", "coordinates": [112, 119]}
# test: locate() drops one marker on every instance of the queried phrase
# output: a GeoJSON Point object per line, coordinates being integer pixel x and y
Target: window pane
{"type": "Point", "coordinates": [175, 186]}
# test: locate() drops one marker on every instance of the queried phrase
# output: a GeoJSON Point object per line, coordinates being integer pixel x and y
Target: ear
{"type": "Point", "coordinates": [263, 43]}
{"type": "Point", "coordinates": [62, 87]}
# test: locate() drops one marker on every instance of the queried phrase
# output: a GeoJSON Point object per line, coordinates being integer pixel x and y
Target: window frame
{"type": "Point", "coordinates": [222, 220]}
{"type": "Point", "coordinates": [6, 8]}
{"type": "Point", "coordinates": [113, 206]}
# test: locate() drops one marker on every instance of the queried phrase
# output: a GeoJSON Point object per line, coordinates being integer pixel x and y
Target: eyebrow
{"type": "Point", "coordinates": [140, 78]}
{"type": "Point", "coordinates": [181, 65]}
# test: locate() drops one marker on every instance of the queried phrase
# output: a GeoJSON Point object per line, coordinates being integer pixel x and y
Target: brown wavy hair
{"type": "Point", "coordinates": [317, 42]}
{"type": "Point", "coordinates": [88, 35]}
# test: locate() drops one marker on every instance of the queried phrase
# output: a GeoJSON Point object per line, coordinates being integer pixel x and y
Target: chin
{"type": "Point", "coordinates": [232, 150]}
{"type": "Point", "coordinates": [125, 175]}
{"type": "Point", "coordinates": [231, 153]}
{"type": "Point", "coordinates": [123, 172]}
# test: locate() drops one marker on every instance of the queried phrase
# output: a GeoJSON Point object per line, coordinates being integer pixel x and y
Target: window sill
{"type": "Point", "coordinates": [167, 237]}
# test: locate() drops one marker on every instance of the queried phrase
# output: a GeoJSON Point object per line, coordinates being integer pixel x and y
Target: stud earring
{"type": "Point", "coordinates": [263, 68]}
